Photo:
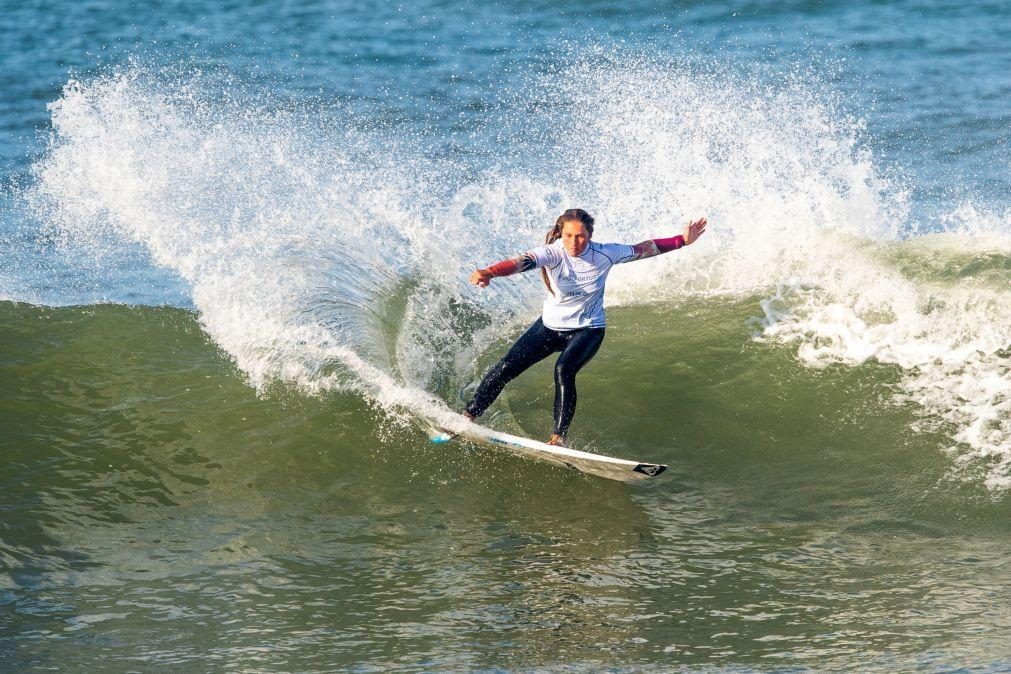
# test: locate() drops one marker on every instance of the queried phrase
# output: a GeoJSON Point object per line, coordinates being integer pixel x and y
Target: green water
{"type": "Point", "coordinates": [157, 513]}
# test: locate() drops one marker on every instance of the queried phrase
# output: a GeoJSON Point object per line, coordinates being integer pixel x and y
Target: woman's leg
{"type": "Point", "coordinates": [536, 344]}
{"type": "Point", "coordinates": [582, 346]}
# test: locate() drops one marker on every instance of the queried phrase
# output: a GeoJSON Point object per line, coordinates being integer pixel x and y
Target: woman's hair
{"type": "Point", "coordinates": [555, 233]}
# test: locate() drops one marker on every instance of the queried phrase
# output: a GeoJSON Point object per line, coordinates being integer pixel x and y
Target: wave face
{"type": "Point", "coordinates": [152, 500]}
{"type": "Point", "coordinates": [333, 256]}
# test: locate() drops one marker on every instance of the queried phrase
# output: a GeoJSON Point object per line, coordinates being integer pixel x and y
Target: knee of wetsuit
{"type": "Point", "coordinates": [564, 372]}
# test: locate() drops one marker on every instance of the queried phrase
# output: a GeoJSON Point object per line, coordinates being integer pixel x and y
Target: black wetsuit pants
{"type": "Point", "coordinates": [536, 344]}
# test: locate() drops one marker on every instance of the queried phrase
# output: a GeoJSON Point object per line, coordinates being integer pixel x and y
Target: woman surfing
{"type": "Point", "coordinates": [575, 269]}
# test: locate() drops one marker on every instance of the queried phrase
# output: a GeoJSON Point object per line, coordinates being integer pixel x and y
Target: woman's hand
{"type": "Point", "coordinates": [481, 278]}
{"type": "Point", "coordinates": [694, 230]}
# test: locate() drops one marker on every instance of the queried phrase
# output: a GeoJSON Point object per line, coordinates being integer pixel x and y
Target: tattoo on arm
{"type": "Point", "coordinates": [645, 249]}
{"type": "Point", "coordinates": [653, 247]}
{"type": "Point", "coordinates": [525, 262]}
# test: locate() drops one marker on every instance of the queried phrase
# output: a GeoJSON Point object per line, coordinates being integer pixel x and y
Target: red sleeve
{"type": "Point", "coordinates": [504, 268]}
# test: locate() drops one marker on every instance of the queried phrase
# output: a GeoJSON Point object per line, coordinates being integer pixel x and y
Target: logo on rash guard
{"type": "Point", "coordinates": [569, 285]}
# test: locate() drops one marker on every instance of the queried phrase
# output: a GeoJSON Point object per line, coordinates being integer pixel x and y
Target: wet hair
{"type": "Point", "coordinates": [555, 233]}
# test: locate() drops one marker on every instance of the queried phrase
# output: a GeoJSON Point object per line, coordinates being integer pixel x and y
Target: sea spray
{"type": "Point", "coordinates": [331, 257]}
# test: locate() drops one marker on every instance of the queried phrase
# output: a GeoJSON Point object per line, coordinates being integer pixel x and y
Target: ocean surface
{"type": "Point", "coordinates": [234, 248]}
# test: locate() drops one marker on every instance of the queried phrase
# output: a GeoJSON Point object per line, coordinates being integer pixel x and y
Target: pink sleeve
{"type": "Point", "coordinates": [669, 244]}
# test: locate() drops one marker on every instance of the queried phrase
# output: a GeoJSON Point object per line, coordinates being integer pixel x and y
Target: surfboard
{"type": "Point", "coordinates": [585, 462]}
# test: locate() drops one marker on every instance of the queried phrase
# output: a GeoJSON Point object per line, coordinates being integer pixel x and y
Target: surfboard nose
{"type": "Point", "coordinates": [651, 469]}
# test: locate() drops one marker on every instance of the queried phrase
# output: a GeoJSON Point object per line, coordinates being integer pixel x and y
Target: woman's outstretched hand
{"type": "Point", "coordinates": [693, 231]}
{"type": "Point", "coordinates": [481, 278]}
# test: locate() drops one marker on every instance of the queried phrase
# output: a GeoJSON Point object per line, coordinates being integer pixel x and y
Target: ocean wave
{"type": "Point", "coordinates": [334, 258]}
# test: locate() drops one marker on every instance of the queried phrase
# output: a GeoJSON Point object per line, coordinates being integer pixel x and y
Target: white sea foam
{"type": "Point", "coordinates": [950, 333]}
{"type": "Point", "coordinates": [331, 258]}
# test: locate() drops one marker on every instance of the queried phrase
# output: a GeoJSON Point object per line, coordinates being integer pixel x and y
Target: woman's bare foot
{"type": "Point", "coordinates": [469, 415]}
{"type": "Point", "coordinates": [557, 440]}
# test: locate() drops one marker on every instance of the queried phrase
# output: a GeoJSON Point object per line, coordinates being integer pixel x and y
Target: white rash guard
{"type": "Point", "coordinates": [578, 282]}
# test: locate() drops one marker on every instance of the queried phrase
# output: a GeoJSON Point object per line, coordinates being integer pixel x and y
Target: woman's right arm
{"type": "Point", "coordinates": [520, 263]}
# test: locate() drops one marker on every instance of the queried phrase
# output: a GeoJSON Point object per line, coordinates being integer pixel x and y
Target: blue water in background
{"type": "Point", "coordinates": [930, 79]}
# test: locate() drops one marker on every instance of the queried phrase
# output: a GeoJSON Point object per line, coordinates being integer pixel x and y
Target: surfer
{"type": "Point", "coordinates": [574, 269]}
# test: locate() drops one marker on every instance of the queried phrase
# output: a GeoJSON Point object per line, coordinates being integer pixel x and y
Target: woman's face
{"type": "Point", "coordinates": [575, 238]}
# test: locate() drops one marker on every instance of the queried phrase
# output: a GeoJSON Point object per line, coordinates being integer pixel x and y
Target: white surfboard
{"type": "Point", "coordinates": [586, 462]}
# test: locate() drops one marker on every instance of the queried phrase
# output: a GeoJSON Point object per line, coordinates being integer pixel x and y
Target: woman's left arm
{"type": "Point", "coordinates": [652, 247]}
